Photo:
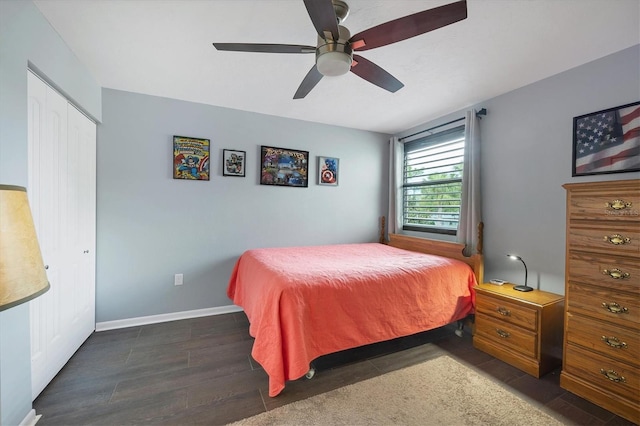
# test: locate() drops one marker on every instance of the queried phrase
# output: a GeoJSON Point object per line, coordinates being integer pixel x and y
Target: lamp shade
{"type": "Point", "coordinates": [22, 273]}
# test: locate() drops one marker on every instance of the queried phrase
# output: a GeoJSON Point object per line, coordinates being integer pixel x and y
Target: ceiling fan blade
{"type": "Point", "coordinates": [310, 80]}
{"type": "Point", "coordinates": [409, 26]}
{"type": "Point", "coordinates": [323, 17]}
{"type": "Point", "coordinates": [374, 74]}
{"type": "Point", "coordinates": [264, 48]}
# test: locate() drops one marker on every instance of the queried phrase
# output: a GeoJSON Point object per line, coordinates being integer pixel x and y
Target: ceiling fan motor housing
{"type": "Point", "coordinates": [334, 58]}
{"type": "Point", "coordinates": [342, 10]}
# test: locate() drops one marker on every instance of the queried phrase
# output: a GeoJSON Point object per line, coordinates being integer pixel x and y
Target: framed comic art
{"type": "Point", "coordinates": [328, 171]}
{"type": "Point", "coordinates": [233, 162]}
{"type": "Point", "coordinates": [607, 141]}
{"type": "Point", "coordinates": [284, 167]}
{"type": "Point", "coordinates": [190, 158]}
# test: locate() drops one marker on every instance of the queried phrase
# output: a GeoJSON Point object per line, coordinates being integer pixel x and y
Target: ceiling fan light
{"type": "Point", "coordinates": [334, 63]}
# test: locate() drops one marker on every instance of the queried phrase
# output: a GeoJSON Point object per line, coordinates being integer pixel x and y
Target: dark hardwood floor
{"type": "Point", "coordinates": [200, 371]}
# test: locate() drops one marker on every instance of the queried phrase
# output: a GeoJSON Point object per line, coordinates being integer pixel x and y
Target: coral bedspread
{"type": "Point", "coordinates": [304, 302]}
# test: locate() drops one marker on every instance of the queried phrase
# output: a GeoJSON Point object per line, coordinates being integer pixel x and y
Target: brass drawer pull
{"type": "Point", "coordinates": [615, 308]}
{"type": "Point", "coordinates": [617, 239]}
{"type": "Point", "coordinates": [613, 376]}
{"type": "Point", "coordinates": [503, 311]}
{"type": "Point", "coordinates": [502, 333]}
{"type": "Point", "coordinates": [618, 205]}
{"type": "Point", "coordinates": [614, 342]}
{"type": "Point", "coordinates": [616, 273]}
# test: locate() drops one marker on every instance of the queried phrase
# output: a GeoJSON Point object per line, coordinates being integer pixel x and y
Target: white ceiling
{"type": "Point", "coordinates": [164, 48]}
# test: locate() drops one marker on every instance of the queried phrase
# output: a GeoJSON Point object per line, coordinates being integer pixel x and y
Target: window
{"type": "Point", "coordinates": [432, 182]}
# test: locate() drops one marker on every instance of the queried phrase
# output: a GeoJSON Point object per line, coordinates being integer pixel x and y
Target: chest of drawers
{"type": "Point", "coordinates": [602, 312]}
{"type": "Point", "coordinates": [521, 329]}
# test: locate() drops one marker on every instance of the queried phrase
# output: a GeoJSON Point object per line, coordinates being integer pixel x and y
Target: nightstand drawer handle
{"type": "Point", "coordinates": [618, 205]}
{"type": "Point", "coordinates": [502, 333]}
{"type": "Point", "coordinates": [615, 308]}
{"type": "Point", "coordinates": [614, 342]}
{"type": "Point", "coordinates": [617, 239]}
{"type": "Point", "coordinates": [616, 273]}
{"type": "Point", "coordinates": [613, 376]}
{"type": "Point", "coordinates": [503, 311]}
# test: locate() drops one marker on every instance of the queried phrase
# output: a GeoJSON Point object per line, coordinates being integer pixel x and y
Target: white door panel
{"type": "Point", "coordinates": [62, 195]}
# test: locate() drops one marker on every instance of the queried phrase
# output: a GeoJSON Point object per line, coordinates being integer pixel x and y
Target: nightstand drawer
{"type": "Point", "coordinates": [507, 312]}
{"type": "Point", "coordinates": [607, 339]}
{"type": "Point", "coordinates": [506, 335]}
{"type": "Point", "coordinates": [606, 373]}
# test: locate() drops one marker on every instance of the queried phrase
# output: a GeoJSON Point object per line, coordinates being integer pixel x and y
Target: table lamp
{"type": "Point", "coordinates": [524, 287]}
{"type": "Point", "coordinates": [22, 272]}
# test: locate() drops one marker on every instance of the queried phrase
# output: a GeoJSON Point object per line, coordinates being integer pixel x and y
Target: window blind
{"type": "Point", "coordinates": [432, 181]}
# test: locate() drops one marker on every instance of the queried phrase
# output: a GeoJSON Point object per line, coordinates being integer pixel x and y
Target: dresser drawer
{"type": "Point", "coordinates": [609, 238]}
{"type": "Point", "coordinates": [621, 273]}
{"type": "Point", "coordinates": [507, 312]}
{"type": "Point", "coordinates": [604, 203]}
{"type": "Point", "coordinates": [506, 335]}
{"type": "Point", "coordinates": [606, 373]}
{"type": "Point", "coordinates": [607, 339]}
{"type": "Point", "coordinates": [621, 308]}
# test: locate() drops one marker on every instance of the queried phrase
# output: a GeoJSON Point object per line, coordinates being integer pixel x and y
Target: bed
{"type": "Point", "coordinates": [305, 302]}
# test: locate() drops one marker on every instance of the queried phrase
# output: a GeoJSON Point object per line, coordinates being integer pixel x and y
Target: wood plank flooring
{"type": "Point", "coordinates": [200, 371]}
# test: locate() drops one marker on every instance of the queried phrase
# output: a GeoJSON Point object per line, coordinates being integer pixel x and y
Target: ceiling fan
{"type": "Point", "coordinates": [334, 52]}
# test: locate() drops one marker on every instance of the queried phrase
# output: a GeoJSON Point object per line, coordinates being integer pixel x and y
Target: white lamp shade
{"type": "Point", "coordinates": [22, 273]}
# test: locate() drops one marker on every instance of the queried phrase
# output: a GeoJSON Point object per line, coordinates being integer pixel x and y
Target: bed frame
{"type": "Point", "coordinates": [441, 248]}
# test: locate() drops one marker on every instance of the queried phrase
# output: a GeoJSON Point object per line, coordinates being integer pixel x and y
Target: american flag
{"type": "Point", "coordinates": [608, 141]}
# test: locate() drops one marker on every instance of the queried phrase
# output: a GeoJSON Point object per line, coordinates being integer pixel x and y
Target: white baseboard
{"type": "Point", "coordinates": [31, 419]}
{"type": "Point", "coordinates": [154, 319]}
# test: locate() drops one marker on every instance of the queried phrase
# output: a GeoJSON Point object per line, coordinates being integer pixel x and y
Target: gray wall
{"type": "Point", "coordinates": [27, 38]}
{"type": "Point", "coordinates": [526, 158]}
{"type": "Point", "coordinates": [151, 226]}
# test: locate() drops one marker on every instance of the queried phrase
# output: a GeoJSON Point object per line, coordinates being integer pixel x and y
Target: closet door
{"type": "Point", "coordinates": [81, 223]}
{"type": "Point", "coordinates": [47, 149]}
{"type": "Point", "coordinates": [61, 191]}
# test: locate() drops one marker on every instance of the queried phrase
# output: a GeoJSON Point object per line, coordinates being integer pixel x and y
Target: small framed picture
{"type": "Point", "coordinates": [190, 158]}
{"type": "Point", "coordinates": [328, 171]}
{"type": "Point", "coordinates": [607, 141]}
{"type": "Point", "coordinates": [233, 162]}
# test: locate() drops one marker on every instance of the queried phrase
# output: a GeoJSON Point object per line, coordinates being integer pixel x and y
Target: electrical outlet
{"type": "Point", "coordinates": [178, 279]}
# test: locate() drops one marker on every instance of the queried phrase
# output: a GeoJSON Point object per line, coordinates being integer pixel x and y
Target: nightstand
{"type": "Point", "coordinates": [523, 329]}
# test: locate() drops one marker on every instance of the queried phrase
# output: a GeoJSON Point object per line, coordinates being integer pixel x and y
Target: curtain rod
{"type": "Point", "coordinates": [480, 113]}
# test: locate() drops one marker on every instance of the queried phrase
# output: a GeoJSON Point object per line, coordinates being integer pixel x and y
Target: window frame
{"type": "Point", "coordinates": [450, 135]}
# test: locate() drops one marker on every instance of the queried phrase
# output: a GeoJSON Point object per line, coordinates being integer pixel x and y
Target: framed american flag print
{"type": "Point", "coordinates": [607, 141]}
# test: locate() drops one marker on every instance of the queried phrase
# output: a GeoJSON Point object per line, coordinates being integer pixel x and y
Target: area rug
{"type": "Point", "coordinates": [437, 392]}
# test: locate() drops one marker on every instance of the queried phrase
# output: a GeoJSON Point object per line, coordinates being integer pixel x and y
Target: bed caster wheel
{"type": "Point", "coordinates": [310, 373]}
{"type": "Point", "coordinates": [459, 333]}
